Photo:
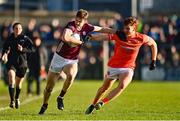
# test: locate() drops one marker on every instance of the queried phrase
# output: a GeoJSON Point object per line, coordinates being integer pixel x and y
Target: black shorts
{"type": "Point", "coordinates": [20, 71]}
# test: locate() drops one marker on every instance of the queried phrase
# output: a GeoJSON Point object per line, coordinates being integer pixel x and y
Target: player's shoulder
{"type": "Point", "coordinates": [23, 36]}
{"type": "Point", "coordinates": [144, 37]}
{"type": "Point", "coordinates": [70, 25]}
{"type": "Point", "coordinates": [88, 24]}
{"type": "Point", "coordinates": [141, 35]}
{"type": "Point", "coordinates": [120, 35]}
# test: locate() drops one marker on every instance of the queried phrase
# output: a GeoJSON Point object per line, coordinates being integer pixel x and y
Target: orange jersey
{"type": "Point", "coordinates": [125, 52]}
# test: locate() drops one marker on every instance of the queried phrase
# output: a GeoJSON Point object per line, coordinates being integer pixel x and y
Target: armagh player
{"type": "Point", "coordinates": [66, 56]}
{"type": "Point", "coordinates": [121, 65]}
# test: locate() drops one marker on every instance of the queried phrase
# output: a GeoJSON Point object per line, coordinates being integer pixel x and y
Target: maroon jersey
{"type": "Point", "coordinates": [64, 49]}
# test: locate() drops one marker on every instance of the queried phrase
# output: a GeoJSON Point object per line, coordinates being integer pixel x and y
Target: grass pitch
{"type": "Point", "coordinates": [140, 101]}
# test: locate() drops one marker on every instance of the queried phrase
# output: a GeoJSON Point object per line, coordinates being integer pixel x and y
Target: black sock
{"type": "Point", "coordinates": [18, 90]}
{"type": "Point", "coordinates": [62, 93]}
{"type": "Point", "coordinates": [11, 92]}
{"type": "Point", "coordinates": [45, 105]}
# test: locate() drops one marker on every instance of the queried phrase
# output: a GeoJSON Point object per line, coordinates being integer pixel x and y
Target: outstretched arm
{"type": "Point", "coordinates": [97, 37]}
{"type": "Point", "coordinates": [104, 30]}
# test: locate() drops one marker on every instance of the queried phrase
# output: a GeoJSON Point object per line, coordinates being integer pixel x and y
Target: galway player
{"type": "Point", "coordinates": [66, 56]}
{"type": "Point", "coordinates": [122, 64]}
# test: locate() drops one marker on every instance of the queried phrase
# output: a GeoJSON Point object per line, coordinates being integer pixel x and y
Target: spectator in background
{"type": "Point", "coordinates": [4, 38]}
{"type": "Point", "coordinates": [119, 21]}
{"type": "Point", "coordinates": [31, 28]}
{"type": "Point", "coordinates": [46, 32]}
{"type": "Point", "coordinates": [57, 29]}
{"type": "Point", "coordinates": [146, 29]}
{"type": "Point", "coordinates": [175, 59]}
{"type": "Point", "coordinates": [36, 62]}
{"type": "Point", "coordinates": [157, 34]}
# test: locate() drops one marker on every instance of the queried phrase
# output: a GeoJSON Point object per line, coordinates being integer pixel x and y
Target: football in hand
{"type": "Point", "coordinates": [76, 36]}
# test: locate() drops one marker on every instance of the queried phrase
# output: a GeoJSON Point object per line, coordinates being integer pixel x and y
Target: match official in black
{"type": "Point", "coordinates": [14, 54]}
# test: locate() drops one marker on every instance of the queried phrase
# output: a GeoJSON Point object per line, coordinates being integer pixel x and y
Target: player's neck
{"type": "Point", "coordinates": [78, 28]}
{"type": "Point", "coordinates": [133, 34]}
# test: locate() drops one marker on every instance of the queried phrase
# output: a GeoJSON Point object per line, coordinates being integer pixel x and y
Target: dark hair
{"type": "Point", "coordinates": [131, 21]}
{"type": "Point", "coordinates": [83, 14]}
{"type": "Point", "coordinates": [16, 23]}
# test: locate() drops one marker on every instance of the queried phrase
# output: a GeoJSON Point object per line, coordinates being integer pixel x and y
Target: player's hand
{"type": "Point", "coordinates": [86, 38]}
{"type": "Point", "coordinates": [20, 48]}
{"type": "Point", "coordinates": [5, 58]}
{"type": "Point", "coordinates": [152, 65]}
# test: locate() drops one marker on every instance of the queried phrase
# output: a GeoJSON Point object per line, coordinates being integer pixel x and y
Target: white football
{"type": "Point", "coordinates": [77, 36]}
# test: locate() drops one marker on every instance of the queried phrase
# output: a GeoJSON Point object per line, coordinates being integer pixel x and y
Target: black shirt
{"type": "Point", "coordinates": [16, 57]}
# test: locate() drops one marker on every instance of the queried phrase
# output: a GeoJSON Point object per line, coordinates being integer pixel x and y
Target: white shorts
{"type": "Point", "coordinates": [58, 62]}
{"type": "Point", "coordinates": [113, 73]}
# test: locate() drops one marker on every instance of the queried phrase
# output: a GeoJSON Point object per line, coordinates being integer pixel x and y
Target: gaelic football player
{"type": "Point", "coordinates": [66, 56]}
{"type": "Point", "coordinates": [122, 64]}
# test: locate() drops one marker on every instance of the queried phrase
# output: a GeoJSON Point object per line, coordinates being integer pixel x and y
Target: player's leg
{"type": "Point", "coordinates": [124, 78]}
{"type": "Point", "coordinates": [19, 82]}
{"type": "Point", "coordinates": [38, 84]}
{"type": "Point", "coordinates": [101, 91]}
{"type": "Point", "coordinates": [29, 83]}
{"type": "Point", "coordinates": [51, 78]}
{"type": "Point", "coordinates": [55, 68]}
{"type": "Point", "coordinates": [70, 71]}
{"type": "Point", "coordinates": [11, 79]}
{"type": "Point", "coordinates": [20, 73]}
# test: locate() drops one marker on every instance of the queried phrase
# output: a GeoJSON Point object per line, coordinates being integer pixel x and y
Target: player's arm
{"type": "Point", "coordinates": [5, 51]}
{"type": "Point", "coordinates": [153, 46]}
{"type": "Point", "coordinates": [154, 50]}
{"type": "Point", "coordinates": [70, 39]}
{"type": "Point", "coordinates": [28, 46]}
{"type": "Point", "coordinates": [99, 37]}
{"type": "Point", "coordinates": [6, 47]}
{"type": "Point", "coordinates": [104, 30]}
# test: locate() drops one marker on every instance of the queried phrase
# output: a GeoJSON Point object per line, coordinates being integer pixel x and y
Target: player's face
{"type": "Point", "coordinates": [129, 30]}
{"type": "Point", "coordinates": [17, 29]}
{"type": "Point", "coordinates": [79, 22]}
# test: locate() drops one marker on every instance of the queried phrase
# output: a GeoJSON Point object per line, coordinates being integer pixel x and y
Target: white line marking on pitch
{"type": "Point", "coordinates": [28, 100]}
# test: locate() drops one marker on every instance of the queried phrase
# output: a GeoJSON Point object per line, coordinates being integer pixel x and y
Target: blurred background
{"type": "Point", "coordinates": [45, 19]}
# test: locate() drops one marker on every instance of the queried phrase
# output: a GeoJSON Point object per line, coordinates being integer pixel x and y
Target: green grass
{"type": "Point", "coordinates": [140, 101]}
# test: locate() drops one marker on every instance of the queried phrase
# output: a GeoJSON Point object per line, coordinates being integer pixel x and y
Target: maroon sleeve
{"type": "Point", "coordinates": [70, 26]}
{"type": "Point", "coordinates": [89, 27]}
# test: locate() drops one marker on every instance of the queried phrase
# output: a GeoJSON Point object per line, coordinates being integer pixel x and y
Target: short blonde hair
{"type": "Point", "coordinates": [83, 14]}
